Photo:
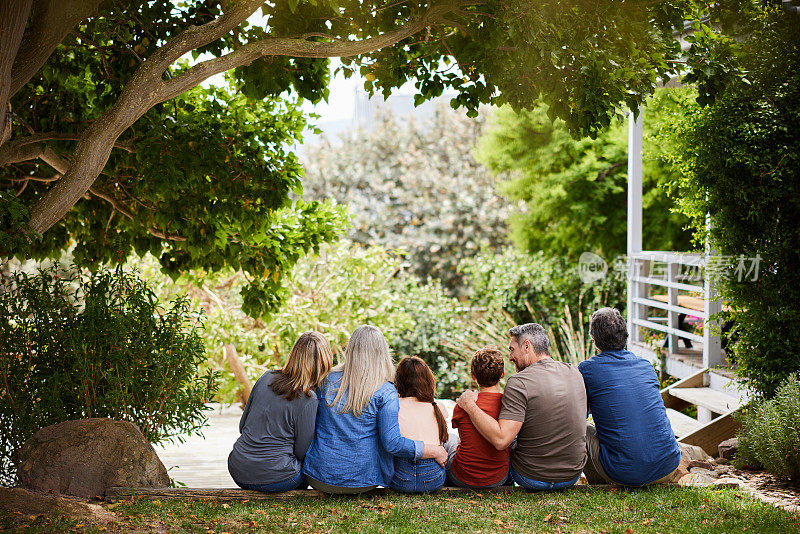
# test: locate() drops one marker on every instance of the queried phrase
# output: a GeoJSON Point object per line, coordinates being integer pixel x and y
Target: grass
{"type": "Point", "coordinates": [662, 509]}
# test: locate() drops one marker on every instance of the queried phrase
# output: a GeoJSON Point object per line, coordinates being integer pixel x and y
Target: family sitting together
{"type": "Point", "coordinates": [365, 424]}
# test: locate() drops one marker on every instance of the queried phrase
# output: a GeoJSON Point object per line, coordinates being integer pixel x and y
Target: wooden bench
{"type": "Point", "coordinates": [236, 494]}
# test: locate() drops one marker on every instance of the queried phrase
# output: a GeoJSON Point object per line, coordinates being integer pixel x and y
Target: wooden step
{"type": "Point", "coordinates": [682, 424]}
{"type": "Point", "coordinates": [709, 436]}
{"type": "Point", "coordinates": [714, 400]}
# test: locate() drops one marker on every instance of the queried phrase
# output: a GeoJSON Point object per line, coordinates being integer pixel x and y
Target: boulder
{"type": "Point", "coordinates": [86, 456]}
{"type": "Point", "coordinates": [693, 452]}
{"type": "Point", "coordinates": [689, 454]}
{"type": "Point", "coordinates": [701, 464]}
{"type": "Point", "coordinates": [728, 448]}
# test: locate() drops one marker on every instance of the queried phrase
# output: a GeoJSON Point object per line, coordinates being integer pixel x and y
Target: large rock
{"type": "Point", "coordinates": [86, 456]}
{"type": "Point", "coordinates": [727, 449]}
{"type": "Point", "coordinates": [690, 454]}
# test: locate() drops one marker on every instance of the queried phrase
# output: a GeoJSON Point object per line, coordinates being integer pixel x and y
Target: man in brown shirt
{"type": "Point", "coordinates": [544, 408]}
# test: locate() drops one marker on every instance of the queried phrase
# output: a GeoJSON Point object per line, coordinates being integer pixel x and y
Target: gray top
{"type": "Point", "coordinates": [275, 435]}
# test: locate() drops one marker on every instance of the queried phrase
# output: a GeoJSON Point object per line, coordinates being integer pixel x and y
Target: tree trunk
{"type": "Point", "coordinates": [13, 17]}
{"type": "Point", "coordinates": [238, 372]}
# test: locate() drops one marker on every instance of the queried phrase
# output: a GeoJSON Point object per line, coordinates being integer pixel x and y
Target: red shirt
{"type": "Point", "coordinates": [477, 462]}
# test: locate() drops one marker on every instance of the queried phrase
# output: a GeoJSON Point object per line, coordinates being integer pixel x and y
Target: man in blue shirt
{"type": "Point", "coordinates": [632, 442]}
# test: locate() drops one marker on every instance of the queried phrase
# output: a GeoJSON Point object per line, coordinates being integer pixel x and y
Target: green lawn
{"type": "Point", "coordinates": [663, 509]}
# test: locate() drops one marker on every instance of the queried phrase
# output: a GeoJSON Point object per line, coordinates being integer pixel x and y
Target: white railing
{"type": "Point", "coordinates": [667, 271]}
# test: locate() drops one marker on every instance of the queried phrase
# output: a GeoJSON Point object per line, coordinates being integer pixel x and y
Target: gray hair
{"type": "Point", "coordinates": [608, 329]}
{"type": "Point", "coordinates": [534, 333]}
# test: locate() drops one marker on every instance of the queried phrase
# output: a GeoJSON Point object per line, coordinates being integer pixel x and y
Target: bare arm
{"type": "Point", "coordinates": [437, 452]}
{"type": "Point", "coordinates": [499, 433]}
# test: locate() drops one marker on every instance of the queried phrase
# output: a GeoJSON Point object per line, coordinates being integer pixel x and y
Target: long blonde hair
{"type": "Point", "coordinates": [367, 366]}
{"type": "Point", "coordinates": [309, 363]}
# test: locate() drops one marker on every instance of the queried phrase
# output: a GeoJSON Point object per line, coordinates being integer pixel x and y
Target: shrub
{"type": "Point", "coordinates": [414, 187]}
{"type": "Point", "coordinates": [740, 162]}
{"type": "Point", "coordinates": [74, 346]}
{"type": "Point", "coordinates": [770, 434]}
{"type": "Point", "coordinates": [334, 291]}
{"type": "Point", "coordinates": [537, 287]}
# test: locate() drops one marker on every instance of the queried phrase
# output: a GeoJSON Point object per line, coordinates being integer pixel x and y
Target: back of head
{"type": "Point", "coordinates": [533, 332]}
{"type": "Point", "coordinates": [367, 366]}
{"type": "Point", "coordinates": [487, 366]}
{"type": "Point", "coordinates": [608, 329]}
{"type": "Point", "coordinates": [309, 362]}
{"type": "Point", "coordinates": [414, 378]}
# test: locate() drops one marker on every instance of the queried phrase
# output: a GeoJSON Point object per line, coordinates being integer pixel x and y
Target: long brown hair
{"type": "Point", "coordinates": [414, 378]}
{"type": "Point", "coordinates": [309, 363]}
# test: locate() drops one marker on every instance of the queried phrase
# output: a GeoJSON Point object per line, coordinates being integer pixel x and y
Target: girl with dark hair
{"type": "Point", "coordinates": [421, 419]}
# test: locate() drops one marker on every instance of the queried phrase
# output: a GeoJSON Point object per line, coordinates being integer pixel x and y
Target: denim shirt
{"type": "Point", "coordinates": [354, 452]}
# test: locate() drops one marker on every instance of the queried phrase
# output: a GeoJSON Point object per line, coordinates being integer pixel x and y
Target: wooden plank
{"type": "Point", "coordinates": [709, 436]}
{"type": "Point", "coordinates": [707, 398]}
{"type": "Point", "coordinates": [236, 494]}
{"type": "Point", "coordinates": [689, 305]}
{"type": "Point", "coordinates": [691, 381]}
{"type": "Point", "coordinates": [666, 283]}
{"type": "Point", "coordinates": [682, 424]}
{"type": "Point", "coordinates": [666, 329]}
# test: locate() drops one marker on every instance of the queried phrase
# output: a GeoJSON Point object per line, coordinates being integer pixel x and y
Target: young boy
{"type": "Point", "coordinates": [476, 463]}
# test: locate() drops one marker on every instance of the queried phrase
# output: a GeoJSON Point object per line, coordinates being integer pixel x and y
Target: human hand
{"type": "Point", "coordinates": [467, 398]}
{"type": "Point", "coordinates": [440, 455]}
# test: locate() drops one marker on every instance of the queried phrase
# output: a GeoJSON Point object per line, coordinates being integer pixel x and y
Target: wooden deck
{"type": "Point", "coordinates": [202, 461]}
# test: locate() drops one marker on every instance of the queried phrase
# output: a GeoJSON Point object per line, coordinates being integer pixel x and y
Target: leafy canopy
{"type": "Point", "coordinates": [112, 149]}
{"type": "Point", "coordinates": [574, 191]}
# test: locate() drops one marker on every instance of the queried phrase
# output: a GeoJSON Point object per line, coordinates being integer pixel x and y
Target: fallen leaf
{"type": "Point", "coordinates": [547, 517]}
{"type": "Point", "coordinates": [226, 505]}
{"type": "Point", "coordinates": [628, 531]}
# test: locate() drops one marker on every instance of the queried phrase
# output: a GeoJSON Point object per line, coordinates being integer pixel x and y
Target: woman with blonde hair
{"type": "Point", "coordinates": [277, 425]}
{"type": "Point", "coordinates": [358, 435]}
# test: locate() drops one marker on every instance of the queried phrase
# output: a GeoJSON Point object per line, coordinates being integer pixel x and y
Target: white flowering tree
{"type": "Point", "coordinates": [414, 186]}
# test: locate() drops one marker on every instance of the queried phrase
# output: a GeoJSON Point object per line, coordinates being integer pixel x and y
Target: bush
{"type": "Point", "coordinates": [414, 187]}
{"type": "Point", "coordinates": [740, 160]}
{"type": "Point", "coordinates": [334, 291]}
{"type": "Point", "coordinates": [537, 288]}
{"type": "Point", "coordinates": [770, 434]}
{"type": "Point", "coordinates": [74, 346]}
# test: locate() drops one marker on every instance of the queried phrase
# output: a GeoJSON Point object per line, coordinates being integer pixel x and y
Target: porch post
{"type": "Point", "coordinates": [635, 134]}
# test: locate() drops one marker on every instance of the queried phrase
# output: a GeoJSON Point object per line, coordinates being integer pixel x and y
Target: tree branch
{"type": "Point", "coordinates": [50, 22]}
{"type": "Point", "coordinates": [116, 206]}
{"type": "Point", "coordinates": [13, 15]}
{"type": "Point", "coordinates": [140, 94]}
{"type": "Point", "coordinates": [147, 88]}
{"type": "Point", "coordinates": [298, 47]}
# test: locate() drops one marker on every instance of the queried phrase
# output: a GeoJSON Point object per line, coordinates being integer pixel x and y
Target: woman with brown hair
{"type": "Point", "coordinates": [421, 419]}
{"type": "Point", "coordinates": [277, 425]}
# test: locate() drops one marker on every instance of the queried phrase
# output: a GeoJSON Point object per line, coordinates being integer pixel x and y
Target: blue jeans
{"type": "Point", "coordinates": [536, 485]}
{"type": "Point", "coordinates": [417, 476]}
{"type": "Point", "coordinates": [295, 482]}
